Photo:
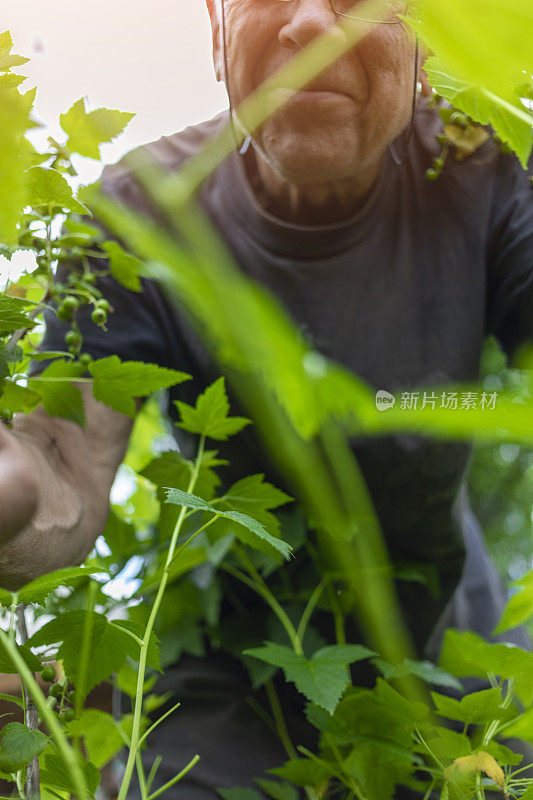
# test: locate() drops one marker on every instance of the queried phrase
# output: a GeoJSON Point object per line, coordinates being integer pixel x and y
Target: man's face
{"type": "Point", "coordinates": [342, 124]}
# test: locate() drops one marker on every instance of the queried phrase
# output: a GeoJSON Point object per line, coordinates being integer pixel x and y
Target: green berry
{"type": "Point", "coordinates": [68, 715]}
{"type": "Point", "coordinates": [99, 316]}
{"type": "Point", "coordinates": [442, 138]}
{"type": "Point", "coordinates": [438, 163]}
{"type": "Point", "coordinates": [74, 350]}
{"type": "Point", "coordinates": [73, 338]}
{"type": "Point", "coordinates": [71, 696]}
{"type": "Point", "coordinates": [48, 673]}
{"type": "Point", "coordinates": [55, 690]}
{"type": "Point", "coordinates": [42, 262]}
{"type": "Point", "coordinates": [459, 120]}
{"type": "Point", "coordinates": [68, 308]}
{"type": "Point", "coordinates": [103, 304]}
{"type": "Point", "coordinates": [89, 277]}
{"type": "Point", "coordinates": [86, 359]}
{"type": "Point", "coordinates": [432, 174]}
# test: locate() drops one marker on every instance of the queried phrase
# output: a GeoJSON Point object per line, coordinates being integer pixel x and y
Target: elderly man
{"type": "Point", "coordinates": [397, 277]}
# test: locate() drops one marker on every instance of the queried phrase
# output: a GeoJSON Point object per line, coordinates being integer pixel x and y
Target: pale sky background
{"type": "Point", "coordinates": [153, 58]}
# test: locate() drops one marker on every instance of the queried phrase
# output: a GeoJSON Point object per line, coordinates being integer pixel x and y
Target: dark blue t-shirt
{"type": "Point", "coordinates": [403, 294]}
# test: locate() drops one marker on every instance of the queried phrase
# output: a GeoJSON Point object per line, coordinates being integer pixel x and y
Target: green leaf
{"type": "Point", "coordinates": [254, 492]}
{"type": "Point", "coordinates": [109, 645]}
{"type": "Point", "coordinates": [125, 268]}
{"type": "Point", "coordinates": [19, 745]}
{"type": "Point", "coordinates": [86, 131]}
{"type": "Point", "coordinates": [239, 793]}
{"type": "Point", "coordinates": [13, 314]}
{"type": "Point", "coordinates": [153, 658]}
{"type": "Point", "coordinates": [37, 590]}
{"type": "Point", "coordinates": [466, 654]}
{"type": "Point", "coordinates": [48, 188]}
{"type": "Point", "coordinates": [476, 708]}
{"type": "Point", "coordinates": [508, 117]}
{"type": "Point", "coordinates": [323, 677]}
{"type": "Point", "coordinates": [18, 399]}
{"type": "Point", "coordinates": [61, 398]}
{"type": "Point", "coordinates": [10, 698]}
{"type": "Point", "coordinates": [7, 666]}
{"type": "Point", "coordinates": [519, 609]}
{"type": "Point", "coordinates": [425, 670]}
{"type": "Point", "coordinates": [15, 157]}
{"type": "Point", "coordinates": [485, 42]}
{"type": "Point", "coordinates": [170, 469]}
{"type": "Point", "coordinates": [180, 498]}
{"type": "Point", "coordinates": [53, 772]}
{"type": "Point", "coordinates": [101, 735]}
{"type": "Point", "coordinates": [209, 417]}
{"type": "Point", "coordinates": [116, 383]}
{"type": "Point", "coordinates": [302, 772]}
{"type": "Point", "coordinates": [522, 727]}
{"type": "Point", "coordinates": [277, 790]}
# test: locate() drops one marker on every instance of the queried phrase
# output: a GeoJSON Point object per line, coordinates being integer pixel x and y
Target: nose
{"type": "Point", "coordinates": [309, 18]}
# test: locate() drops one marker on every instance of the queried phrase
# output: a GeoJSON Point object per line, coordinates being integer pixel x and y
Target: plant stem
{"type": "Point", "coordinates": [310, 607]}
{"type": "Point", "coordinates": [31, 717]}
{"type": "Point", "coordinates": [141, 776]}
{"type": "Point", "coordinates": [156, 723]}
{"type": "Point", "coordinates": [279, 719]}
{"type": "Point", "coordinates": [261, 587]}
{"type": "Point", "coordinates": [137, 712]}
{"type": "Point", "coordinates": [55, 729]}
{"type": "Point", "coordinates": [177, 778]}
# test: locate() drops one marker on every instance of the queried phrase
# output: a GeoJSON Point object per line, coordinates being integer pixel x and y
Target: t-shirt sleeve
{"type": "Point", "coordinates": [510, 258]}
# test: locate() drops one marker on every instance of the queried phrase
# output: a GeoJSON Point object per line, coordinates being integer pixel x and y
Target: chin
{"type": "Point", "coordinates": [307, 157]}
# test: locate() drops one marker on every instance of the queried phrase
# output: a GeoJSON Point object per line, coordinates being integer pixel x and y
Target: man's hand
{"type": "Point", "coordinates": [55, 478]}
{"type": "Point", "coordinates": [19, 490]}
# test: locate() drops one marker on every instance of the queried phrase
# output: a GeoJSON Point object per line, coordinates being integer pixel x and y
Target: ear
{"type": "Point", "coordinates": [214, 16]}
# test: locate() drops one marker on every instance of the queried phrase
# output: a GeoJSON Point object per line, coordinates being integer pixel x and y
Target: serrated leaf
{"type": "Point", "coordinates": [101, 735]}
{"type": "Point", "coordinates": [179, 498]}
{"type": "Point", "coordinates": [48, 188]}
{"type": "Point", "coordinates": [508, 117]}
{"type": "Point", "coordinates": [188, 500]}
{"type": "Point", "coordinates": [37, 590]}
{"type": "Point", "coordinates": [7, 666]}
{"type": "Point", "coordinates": [476, 708]}
{"type": "Point", "coordinates": [254, 492]}
{"type": "Point", "coordinates": [522, 727]}
{"type": "Point", "coordinates": [153, 658]}
{"type": "Point", "coordinates": [323, 677]}
{"type": "Point", "coordinates": [13, 314]}
{"type": "Point", "coordinates": [87, 130]}
{"type": "Point", "coordinates": [466, 654]}
{"type": "Point", "coordinates": [124, 267]}
{"type": "Point", "coordinates": [19, 745]}
{"type": "Point", "coordinates": [209, 417]}
{"type": "Point", "coordinates": [425, 670]}
{"type": "Point", "coordinates": [116, 383]}
{"type": "Point", "coordinates": [172, 470]}
{"type": "Point", "coordinates": [109, 645]}
{"type": "Point", "coordinates": [486, 42]}
{"type": "Point", "coordinates": [60, 398]}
